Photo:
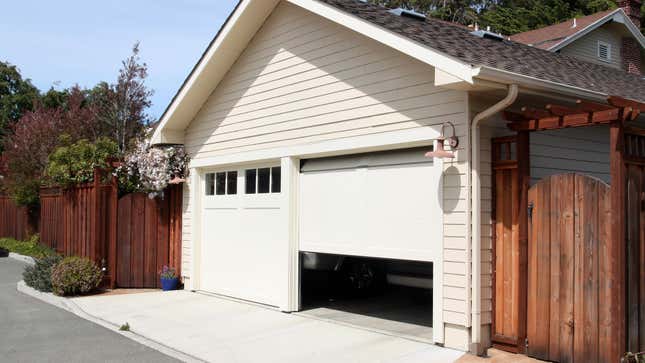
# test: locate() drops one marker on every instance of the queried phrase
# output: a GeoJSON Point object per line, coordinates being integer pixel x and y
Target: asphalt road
{"type": "Point", "coordinates": [33, 331]}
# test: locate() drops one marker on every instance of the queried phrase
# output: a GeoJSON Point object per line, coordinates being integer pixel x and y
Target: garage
{"type": "Point", "coordinates": [244, 238]}
{"type": "Point", "coordinates": [371, 240]}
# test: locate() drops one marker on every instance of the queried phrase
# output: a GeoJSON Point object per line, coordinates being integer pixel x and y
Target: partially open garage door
{"type": "Point", "coordinates": [384, 204]}
{"type": "Point", "coordinates": [244, 242]}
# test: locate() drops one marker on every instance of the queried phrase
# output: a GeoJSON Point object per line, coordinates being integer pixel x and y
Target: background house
{"type": "Point", "coordinates": [610, 38]}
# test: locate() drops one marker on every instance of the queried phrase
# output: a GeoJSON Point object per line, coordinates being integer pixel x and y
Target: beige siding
{"type": "Point", "coordinates": [581, 150]}
{"type": "Point", "coordinates": [586, 48]}
{"type": "Point", "coordinates": [455, 205]}
{"type": "Point", "coordinates": [494, 127]}
{"type": "Point", "coordinates": [303, 79]}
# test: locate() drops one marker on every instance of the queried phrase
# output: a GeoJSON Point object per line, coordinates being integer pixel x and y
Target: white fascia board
{"type": "Point", "coordinates": [230, 42]}
{"type": "Point", "coordinates": [404, 45]}
{"type": "Point", "coordinates": [506, 77]}
{"type": "Point", "coordinates": [617, 15]}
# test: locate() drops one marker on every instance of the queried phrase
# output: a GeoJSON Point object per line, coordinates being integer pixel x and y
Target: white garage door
{"type": "Point", "coordinates": [383, 204]}
{"type": "Point", "coordinates": [244, 247]}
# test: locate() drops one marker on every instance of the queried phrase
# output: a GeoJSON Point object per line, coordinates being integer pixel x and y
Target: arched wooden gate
{"type": "Point", "coordinates": [568, 249]}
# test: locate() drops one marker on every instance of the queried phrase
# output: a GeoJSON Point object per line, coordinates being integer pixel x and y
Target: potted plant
{"type": "Point", "coordinates": [169, 278]}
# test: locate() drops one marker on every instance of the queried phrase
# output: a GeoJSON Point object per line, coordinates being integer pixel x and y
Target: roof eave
{"type": "Point", "coordinates": [527, 82]}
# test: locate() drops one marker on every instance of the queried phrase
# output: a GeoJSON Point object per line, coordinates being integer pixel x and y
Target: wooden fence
{"type": "Point", "coordinates": [132, 237]}
{"type": "Point", "coordinates": [15, 221]}
{"type": "Point", "coordinates": [81, 221]}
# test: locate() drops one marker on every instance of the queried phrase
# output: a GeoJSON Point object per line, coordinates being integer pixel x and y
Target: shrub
{"type": "Point", "coordinates": [31, 247]}
{"type": "Point", "coordinates": [74, 163]}
{"type": "Point", "coordinates": [75, 275]}
{"type": "Point", "coordinates": [39, 276]}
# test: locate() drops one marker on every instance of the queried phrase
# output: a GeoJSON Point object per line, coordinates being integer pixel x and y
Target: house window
{"type": "Point", "coordinates": [221, 183]}
{"type": "Point", "coordinates": [251, 175]}
{"type": "Point", "coordinates": [210, 184]}
{"type": "Point", "coordinates": [604, 51]}
{"type": "Point", "coordinates": [231, 182]}
{"type": "Point", "coordinates": [263, 180]}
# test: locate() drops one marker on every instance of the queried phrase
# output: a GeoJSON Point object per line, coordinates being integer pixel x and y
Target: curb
{"type": "Point", "coordinates": [71, 306]}
{"type": "Point", "coordinates": [21, 258]}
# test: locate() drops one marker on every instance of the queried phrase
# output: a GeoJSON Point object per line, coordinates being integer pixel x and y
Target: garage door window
{"type": "Point", "coordinates": [263, 180]}
{"type": "Point", "coordinates": [221, 183]}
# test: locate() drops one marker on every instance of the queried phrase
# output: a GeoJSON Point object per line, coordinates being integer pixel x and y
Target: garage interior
{"type": "Point", "coordinates": [391, 296]}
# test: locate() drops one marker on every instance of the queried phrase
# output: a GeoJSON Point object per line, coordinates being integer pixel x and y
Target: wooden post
{"type": "Point", "coordinates": [612, 290]}
{"type": "Point", "coordinates": [94, 239]}
{"type": "Point", "coordinates": [524, 175]}
{"type": "Point", "coordinates": [112, 231]}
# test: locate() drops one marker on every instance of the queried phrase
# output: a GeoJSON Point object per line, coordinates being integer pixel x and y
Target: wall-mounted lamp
{"type": "Point", "coordinates": [453, 142]}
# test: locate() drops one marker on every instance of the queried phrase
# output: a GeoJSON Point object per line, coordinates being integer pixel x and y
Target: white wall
{"type": "Point", "coordinates": [582, 150]}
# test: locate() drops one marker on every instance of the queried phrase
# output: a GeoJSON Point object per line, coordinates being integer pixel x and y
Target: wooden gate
{"type": "Point", "coordinates": [148, 237]}
{"type": "Point", "coordinates": [569, 225]}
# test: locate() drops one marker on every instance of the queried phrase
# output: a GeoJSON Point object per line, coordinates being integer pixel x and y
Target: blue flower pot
{"type": "Point", "coordinates": [169, 284]}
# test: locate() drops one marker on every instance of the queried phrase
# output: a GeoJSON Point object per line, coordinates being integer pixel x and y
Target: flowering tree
{"type": "Point", "coordinates": [151, 168]}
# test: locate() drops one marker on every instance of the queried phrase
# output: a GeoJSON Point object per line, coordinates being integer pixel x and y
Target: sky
{"type": "Point", "coordinates": [62, 43]}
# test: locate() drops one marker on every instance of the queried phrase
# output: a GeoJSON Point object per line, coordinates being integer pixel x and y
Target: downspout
{"type": "Point", "coordinates": [476, 346]}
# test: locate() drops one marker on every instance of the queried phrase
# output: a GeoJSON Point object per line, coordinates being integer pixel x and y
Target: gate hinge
{"type": "Point", "coordinates": [526, 343]}
{"type": "Point", "coordinates": [531, 210]}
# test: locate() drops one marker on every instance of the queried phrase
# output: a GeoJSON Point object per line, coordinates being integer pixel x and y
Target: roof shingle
{"type": "Point", "coordinates": [550, 36]}
{"type": "Point", "coordinates": [457, 42]}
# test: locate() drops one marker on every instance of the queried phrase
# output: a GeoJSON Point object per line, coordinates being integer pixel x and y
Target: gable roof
{"type": "Point", "coordinates": [446, 46]}
{"type": "Point", "coordinates": [557, 36]}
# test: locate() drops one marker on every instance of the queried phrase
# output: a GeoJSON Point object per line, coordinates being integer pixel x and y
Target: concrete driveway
{"type": "Point", "coordinates": [33, 331]}
{"type": "Point", "coordinates": [221, 330]}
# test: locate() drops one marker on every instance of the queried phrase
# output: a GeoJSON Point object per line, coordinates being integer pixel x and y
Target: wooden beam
{"type": "Point", "coordinates": [612, 290]}
{"type": "Point", "coordinates": [580, 119]}
{"type": "Point", "coordinates": [533, 113]}
{"type": "Point", "coordinates": [626, 113]}
{"type": "Point", "coordinates": [624, 102]}
{"type": "Point", "coordinates": [558, 110]}
{"type": "Point", "coordinates": [605, 116]}
{"type": "Point", "coordinates": [635, 131]}
{"type": "Point", "coordinates": [635, 114]}
{"type": "Point", "coordinates": [514, 116]}
{"type": "Point", "coordinates": [593, 106]}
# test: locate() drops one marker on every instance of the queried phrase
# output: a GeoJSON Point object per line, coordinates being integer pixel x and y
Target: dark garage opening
{"type": "Point", "coordinates": [392, 296]}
